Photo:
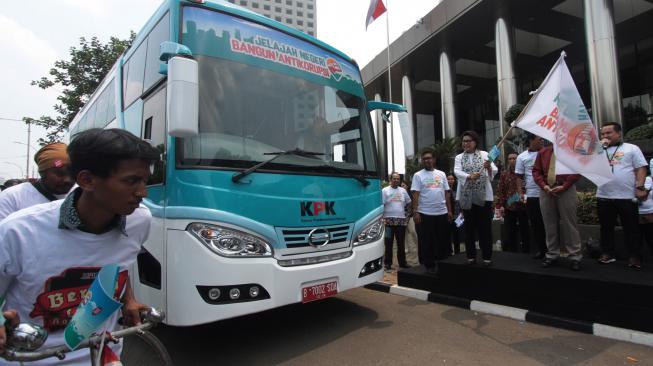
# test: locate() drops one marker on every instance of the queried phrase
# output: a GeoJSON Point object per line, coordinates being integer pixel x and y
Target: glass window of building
{"type": "Point", "coordinates": [266, 7]}
{"type": "Point", "coordinates": [289, 11]}
{"type": "Point", "coordinates": [300, 22]}
{"type": "Point", "coordinates": [300, 13]}
{"type": "Point", "coordinates": [309, 24]}
{"type": "Point", "coordinates": [309, 15]}
{"type": "Point", "coordinates": [309, 6]}
{"type": "Point", "coordinates": [278, 19]}
{"type": "Point", "coordinates": [255, 5]}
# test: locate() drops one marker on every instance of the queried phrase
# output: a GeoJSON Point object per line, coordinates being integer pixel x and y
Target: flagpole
{"type": "Point", "coordinates": [387, 34]}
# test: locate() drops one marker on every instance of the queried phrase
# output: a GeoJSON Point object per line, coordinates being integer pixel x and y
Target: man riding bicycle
{"type": "Point", "coordinates": [50, 253]}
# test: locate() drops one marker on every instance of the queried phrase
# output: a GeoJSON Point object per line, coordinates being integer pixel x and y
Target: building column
{"type": "Point", "coordinates": [507, 86]}
{"type": "Point", "coordinates": [381, 147]}
{"type": "Point", "coordinates": [407, 101]}
{"type": "Point", "coordinates": [602, 59]}
{"type": "Point", "coordinates": [447, 96]}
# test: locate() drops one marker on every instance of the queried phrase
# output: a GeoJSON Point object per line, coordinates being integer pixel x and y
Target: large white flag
{"type": "Point", "coordinates": [557, 113]}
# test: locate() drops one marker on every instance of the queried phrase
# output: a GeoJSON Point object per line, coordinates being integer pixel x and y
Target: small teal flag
{"type": "Point", "coordinates": [97, 306]}
{"type": "Point", "coordinates": [494, 153]}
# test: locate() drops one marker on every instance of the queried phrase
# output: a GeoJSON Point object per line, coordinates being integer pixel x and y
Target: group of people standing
{"type": "Point", "coordinates": [434, 205]}
{"type": "Point", "coordinates": [538, 204]}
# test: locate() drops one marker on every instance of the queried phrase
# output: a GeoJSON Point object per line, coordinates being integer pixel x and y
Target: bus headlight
{"type": "Point", "coordinates": [370, 233]}
{"type": "Point", "coordinates": [230, 242]}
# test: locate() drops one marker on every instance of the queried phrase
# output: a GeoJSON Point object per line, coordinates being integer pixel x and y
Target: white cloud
{"type": "Point", "coordinates": [24, 45]}
{"type": "Point", "coordinates": [95, 8]}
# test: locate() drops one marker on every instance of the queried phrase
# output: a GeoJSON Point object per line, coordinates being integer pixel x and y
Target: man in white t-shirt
{"type": "Point", "coordinates": [431, 211]}
{"type": "Point", "coordinates": [619, 196]}
{"type": "Point", "coordinates": [55, 183]}
{"type": "Point", "coordinates": [524, 170]}
{"type": "Point", "coordinates": [51, 252]}
{"type": "Point", "coordinates": [396, 208]}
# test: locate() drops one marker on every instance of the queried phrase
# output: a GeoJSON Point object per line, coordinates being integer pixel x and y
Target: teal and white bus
{"type": "Point", "coordinates": [268, 192]}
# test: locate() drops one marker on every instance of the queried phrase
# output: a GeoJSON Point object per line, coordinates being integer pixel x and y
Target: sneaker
{"type": "Point", "coordinates": [635, 263]}
{"type": "Point", "coordinates": [487, 263]}
{"type": "Point", "coordinates": [547, 262]}
{"type": "Point", "coordinates": [471, 261]}
{"type": "Point", "coordinates": [575, 265]}
{"type": "Point", "coordinates": [606, 259]}
{"type": "Point", "coordinates": [538, 255]}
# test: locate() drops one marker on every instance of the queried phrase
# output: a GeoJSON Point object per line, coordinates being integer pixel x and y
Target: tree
{"type": "Point", "coordinates": [77, 79]}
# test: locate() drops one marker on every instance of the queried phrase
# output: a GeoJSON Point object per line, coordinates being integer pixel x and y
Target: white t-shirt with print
{"type": "Point", "coordinates": [394, 202]}
{"type": "Point", "coordinates": [646, 206]}
{"type": "Point", "coordinates": [41, 265]}
{"type": "Point", "coordinates": [625, 159]}
{"type": "Point", "coordinates": [524, 166]}
{"type": "Point", "coordinates": [19, 197]}
{"type": "Point", "coordinates": [431, 185]}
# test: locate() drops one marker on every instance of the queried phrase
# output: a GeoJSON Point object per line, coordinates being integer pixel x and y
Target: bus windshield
{"type": "Point", "coordinates": [250, 109]}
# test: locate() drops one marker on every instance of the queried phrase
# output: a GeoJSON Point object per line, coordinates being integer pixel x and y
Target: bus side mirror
{"type": "Point", "coordinates": [182, 102]}
{"type": "Point", "coordinates": [373, 105]}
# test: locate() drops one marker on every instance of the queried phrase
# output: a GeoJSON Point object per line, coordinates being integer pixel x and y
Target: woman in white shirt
{"type": "Point", "coordinates": [475, 172]}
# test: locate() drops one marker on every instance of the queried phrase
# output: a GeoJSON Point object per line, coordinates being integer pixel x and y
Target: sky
{"type": "Point", "coordinates": [37, 33]}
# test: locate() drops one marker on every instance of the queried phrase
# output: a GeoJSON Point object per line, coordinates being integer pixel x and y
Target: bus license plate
{"type": "Point", "coordinates": [320, 291]}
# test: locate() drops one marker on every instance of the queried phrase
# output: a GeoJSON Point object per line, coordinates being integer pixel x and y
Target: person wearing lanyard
{"type": "Point", "coordinates": [620, 195]}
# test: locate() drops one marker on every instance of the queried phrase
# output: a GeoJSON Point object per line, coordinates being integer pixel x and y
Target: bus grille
{"type": "Point", "coordinates": [298, 237]}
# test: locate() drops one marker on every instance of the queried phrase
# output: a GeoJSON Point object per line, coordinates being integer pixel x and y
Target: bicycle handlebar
{"type": "Point", "coordinates": [152, 317]}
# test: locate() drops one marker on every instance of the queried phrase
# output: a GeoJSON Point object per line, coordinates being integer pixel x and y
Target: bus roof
{"type": "Point", "coordinates": [233, 9]}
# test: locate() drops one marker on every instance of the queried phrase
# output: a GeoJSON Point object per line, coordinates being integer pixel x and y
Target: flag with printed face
{"type": "Point", "coordinates": [556, 113]}
{"type": "Point", "coordinates": [376, 9]}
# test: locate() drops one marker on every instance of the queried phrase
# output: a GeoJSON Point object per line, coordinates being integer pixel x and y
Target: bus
{"type": "Point", "coordinates": [268, 190]}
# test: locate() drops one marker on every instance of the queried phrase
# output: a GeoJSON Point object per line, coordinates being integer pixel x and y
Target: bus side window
{"type": "Point", "coordinates": [154, 129]}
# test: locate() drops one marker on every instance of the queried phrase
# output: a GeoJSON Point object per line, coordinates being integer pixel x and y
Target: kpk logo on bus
{"type": "Point", "coordinates": [315, 208]}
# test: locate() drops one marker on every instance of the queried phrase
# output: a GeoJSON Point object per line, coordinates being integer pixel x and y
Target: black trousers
{"type": "Point", "coordinates": [646, 230]}
{"type": "Point", "coordinates": [536, 223]}
{"type": "Point", "coordinates": [478, 223]}
{"type": "Point", "coordinates": [432, 235]}
{"type": "Point", "coordinates": [627, 210]}
{"type": "Point", "coordinates": [393, 232]}
{"type": "Point", "coordinates": [515, 224]}
{"type": "Point", "coordinates": [454, 237]}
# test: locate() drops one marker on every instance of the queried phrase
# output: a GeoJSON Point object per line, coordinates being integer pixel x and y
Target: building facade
{"type": "Point", "coordinates": [299, 14]}
{"type": "Point", "coordinates": [466, 62]}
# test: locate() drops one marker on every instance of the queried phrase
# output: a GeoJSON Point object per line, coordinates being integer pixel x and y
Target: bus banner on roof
{"type": "Point", "coordinates": [216, 34]}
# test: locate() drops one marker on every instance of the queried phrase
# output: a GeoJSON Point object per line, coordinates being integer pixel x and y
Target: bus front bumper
{"type": "Point", "coordinates": [193, 268]}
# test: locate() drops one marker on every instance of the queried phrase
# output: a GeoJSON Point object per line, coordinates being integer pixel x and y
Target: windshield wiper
{"type": "Point", "coordinates": [297, 151]}
{"type": "Point", "coordinates": [359, 178]}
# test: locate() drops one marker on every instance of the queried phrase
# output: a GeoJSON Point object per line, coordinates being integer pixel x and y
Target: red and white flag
{"type": "Point", "coordinates": [376, 9]}
{"type": "Point", "coordinates": [109, 358]}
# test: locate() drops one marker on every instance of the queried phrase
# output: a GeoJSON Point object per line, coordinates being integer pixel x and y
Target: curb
{"type": "Point", "coordinates": [597, 329]}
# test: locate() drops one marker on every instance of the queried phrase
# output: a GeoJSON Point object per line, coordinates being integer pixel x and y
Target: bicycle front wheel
{"type": "Point", "coordinates": [144, 350]}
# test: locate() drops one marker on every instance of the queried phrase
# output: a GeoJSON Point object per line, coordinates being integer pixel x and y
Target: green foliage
{"type": "Point", "coordinates": [76, 79]}
{"type": "Point", "coordinates": [586, 210]}
{"type": "Point", "coordinates": [445, 151]}
{"type": "Point", "coordinates": [513, 112]}
{"type": "Point", "coordinates": [639, 133]}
